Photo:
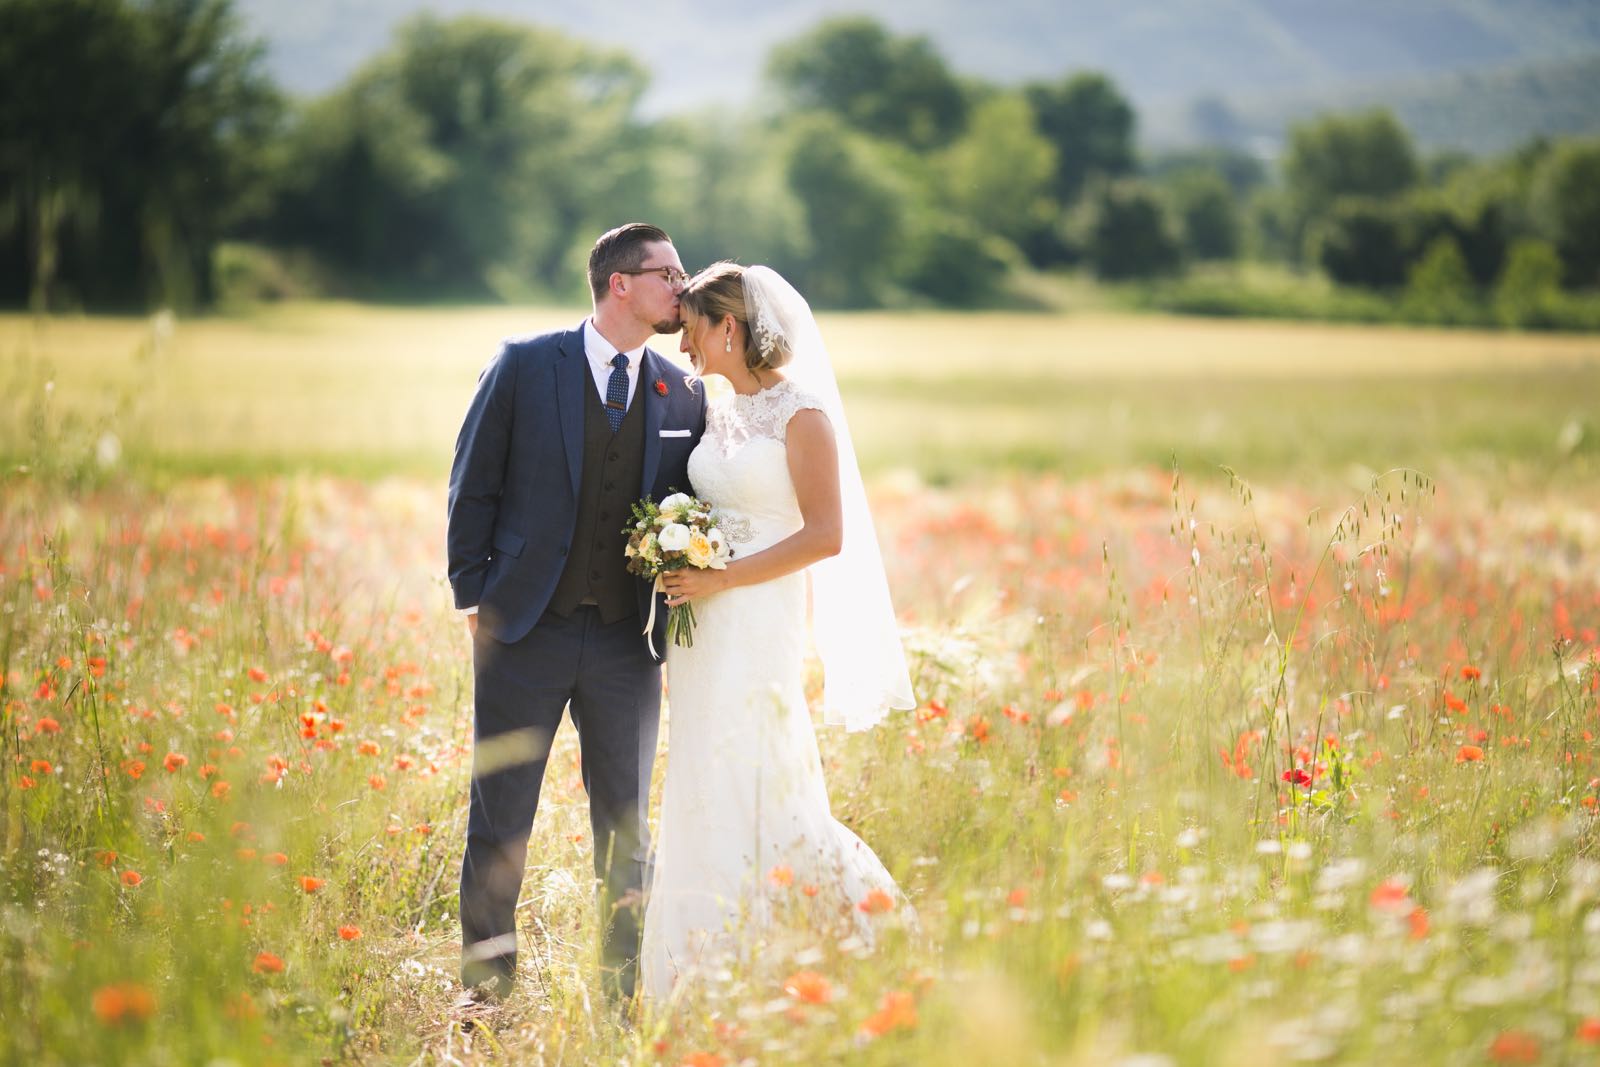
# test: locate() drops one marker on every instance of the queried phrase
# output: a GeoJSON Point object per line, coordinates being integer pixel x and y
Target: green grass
{"type": "Point", "coordinates": [365, 392]}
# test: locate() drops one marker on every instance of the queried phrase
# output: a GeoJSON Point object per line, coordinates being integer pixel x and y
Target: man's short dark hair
{"type": "Point", "coordinates": [620, 249]}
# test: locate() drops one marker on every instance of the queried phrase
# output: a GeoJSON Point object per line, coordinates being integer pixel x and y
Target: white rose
{"type": "Point", "coordinates": [677, 505]}
{"type": "Point", "coordinates": [719, 549]}
{"type": "Point", "coordinates": [674, 537]}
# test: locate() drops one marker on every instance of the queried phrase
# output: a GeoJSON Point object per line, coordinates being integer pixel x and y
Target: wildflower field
{"type": "Point", "coordinates": [1259, 671]}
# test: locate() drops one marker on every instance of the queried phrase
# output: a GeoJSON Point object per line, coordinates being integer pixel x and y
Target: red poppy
{"type": "Point", "coordinates": [1515, 1046]}
{"type": "Point", "coordinates": [1390, 895]}
{"type": "Point", "coordinates": [310, 884]}
{"type": "Point", "coordinates": [661, 387]}
{"type": "Point", "coordinates": [267, 963]}
{"type": "Point", "coordinates": [114, 1004]}
{"type": "Point", "coordinates": [349, 933]}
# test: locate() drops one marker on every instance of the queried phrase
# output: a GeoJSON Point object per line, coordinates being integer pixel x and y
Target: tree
{"type": "Point", "coordinates": [1529, 290]}
{"type": "Point", "coordinates": [896, 88]}
{"type": "Point", "coordinates": [953, 262]}
{"type": "Point", "coordinates": [1439, 288]}
{"type": "Point", "coordinates": [1566, 199]}
{"type": "Point", "coordinates": [1366, 155]}
{"type": "Point", "coordinates": [1364, 243]}
{"type": "Point", "coordinates": [1208, 215]}
{"type": "Point", "coordinates": [999, 173]}
{"type": "Point", "coordinates": [1128, 233]}
{"type": "Point", "coordinates": [470, 159]}
{"type": "Point", "coordinates": [1091, 126]}
{"type": "Point", "coordinates": [132, 134]}
{"type": "Point", "coordinates": [1243, 172]}
{"type": "Point", "coordinates": [720, 187]}
{"type": "Point", "coordinates": [854, 210]}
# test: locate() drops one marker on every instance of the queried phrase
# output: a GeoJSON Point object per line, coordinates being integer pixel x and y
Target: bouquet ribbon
{"type": "Point", "coordinates": [650, 623]}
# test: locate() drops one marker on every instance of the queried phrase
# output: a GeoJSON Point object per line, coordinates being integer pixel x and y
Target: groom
{"type": "Point", "coordinates": [565, 431]}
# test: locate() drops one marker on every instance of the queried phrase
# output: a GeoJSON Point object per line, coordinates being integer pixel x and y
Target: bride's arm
{"type": "Point", "coordinates": [814, 469]}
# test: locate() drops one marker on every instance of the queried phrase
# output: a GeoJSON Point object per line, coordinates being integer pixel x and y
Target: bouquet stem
{"type": "Point", "coordinates": [680, 625]}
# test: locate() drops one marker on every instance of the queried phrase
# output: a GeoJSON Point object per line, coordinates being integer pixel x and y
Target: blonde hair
{"type": "Point", "coordinates": [718, 291]}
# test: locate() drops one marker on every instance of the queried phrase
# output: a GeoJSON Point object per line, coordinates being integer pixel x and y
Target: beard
{"type": "Point", "coordinates": [666, 326]}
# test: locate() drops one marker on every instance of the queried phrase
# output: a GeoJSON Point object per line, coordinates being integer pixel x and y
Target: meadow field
{"type": "Point", "coordinates": [1258, 669]}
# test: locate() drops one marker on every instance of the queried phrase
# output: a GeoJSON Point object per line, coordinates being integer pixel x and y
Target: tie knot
{"type": "Point", "coordinates": [620, 361]}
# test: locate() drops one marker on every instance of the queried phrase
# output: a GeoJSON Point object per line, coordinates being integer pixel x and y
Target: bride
{"type": "Point", "coordinates": [744, 807]}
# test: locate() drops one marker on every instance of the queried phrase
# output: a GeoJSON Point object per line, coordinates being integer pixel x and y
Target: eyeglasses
{"type": "Point", "coordinates": [671, 275]}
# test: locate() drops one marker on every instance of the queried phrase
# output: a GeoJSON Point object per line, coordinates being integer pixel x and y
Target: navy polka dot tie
{"type": "Point", "coordinates": [617, 392]}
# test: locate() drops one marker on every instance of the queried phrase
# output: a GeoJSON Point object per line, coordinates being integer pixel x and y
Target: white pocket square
{"type": "Point", "coordinates": [675, 433]}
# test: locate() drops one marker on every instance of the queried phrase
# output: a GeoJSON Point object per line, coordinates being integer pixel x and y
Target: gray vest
{"type": "Point", "coordinates": [613, 466]}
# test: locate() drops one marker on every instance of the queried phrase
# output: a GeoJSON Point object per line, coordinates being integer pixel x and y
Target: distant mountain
{"type": "Point", "coordinates": [1483, 111]}
{"type": "Point", "coordinates": [1164, 53]}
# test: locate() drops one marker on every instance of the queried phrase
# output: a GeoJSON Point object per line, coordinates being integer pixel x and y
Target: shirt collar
{"type": "Point", "coordinates": [601, 352]}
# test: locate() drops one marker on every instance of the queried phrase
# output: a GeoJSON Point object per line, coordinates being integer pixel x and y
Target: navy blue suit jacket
{"type": "Point", "coordinates": [518, 460]}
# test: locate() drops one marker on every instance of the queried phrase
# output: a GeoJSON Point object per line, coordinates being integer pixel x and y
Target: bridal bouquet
{"type": "Point", "coordinates": [679, 532]}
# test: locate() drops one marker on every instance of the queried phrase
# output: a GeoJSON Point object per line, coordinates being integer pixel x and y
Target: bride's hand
{"type": "Point", "coordinates": [689, 583]}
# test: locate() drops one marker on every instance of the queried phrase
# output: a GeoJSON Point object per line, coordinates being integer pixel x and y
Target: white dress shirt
{"type": "Point", "coordinates": [601, 352]}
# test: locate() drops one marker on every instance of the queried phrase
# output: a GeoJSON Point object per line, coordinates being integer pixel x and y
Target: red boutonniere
{"type": "Point", "coordinates": [661, 387]}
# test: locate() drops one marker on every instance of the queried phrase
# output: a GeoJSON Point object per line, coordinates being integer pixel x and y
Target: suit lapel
{"type": "Point", "coordinates": [655, 412]}
{"type": "Point", "coordinates": [572, 377]}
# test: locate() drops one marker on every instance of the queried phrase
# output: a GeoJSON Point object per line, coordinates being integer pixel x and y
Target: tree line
{"type": "Point", "coordinates": [146, 158]}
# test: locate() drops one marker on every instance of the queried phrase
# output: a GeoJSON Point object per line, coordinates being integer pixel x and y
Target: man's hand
{"type": "Point", "coordinates": [472, 624]}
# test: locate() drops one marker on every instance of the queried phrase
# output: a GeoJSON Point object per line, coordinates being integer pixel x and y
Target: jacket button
{"type": "Point", "coordinates": [594, 574]}
{"type": "Point", "coordinates": [610, 486]}
{"type": "Point", "coordinates": [615, 455]}
{"type": "Point", "coordinates": [563, 550]}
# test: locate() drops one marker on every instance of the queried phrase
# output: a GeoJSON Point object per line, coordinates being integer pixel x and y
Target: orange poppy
{"type": "Point", "coordinates": [808, 987]}
{"type": "Point", "coordinates": [876, 902]}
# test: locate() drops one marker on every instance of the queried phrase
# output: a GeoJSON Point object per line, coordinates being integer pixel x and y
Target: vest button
{"type": "Point", "coordinates": [610, 486]}
{"type": "Point", "coordinates": [563, 550]}
{"type": "Point", "coordinates": [605, 514]}
{"type": "Point", "coordinates": [616, 455]}
{"type": "Point", "coordinates": [594, 574]}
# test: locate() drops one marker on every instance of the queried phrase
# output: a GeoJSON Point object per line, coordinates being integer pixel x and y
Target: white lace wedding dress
{"type": "Point", "coordinates": [744, 792]}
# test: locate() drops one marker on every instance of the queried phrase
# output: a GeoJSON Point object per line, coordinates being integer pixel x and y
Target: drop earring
{"type": "Point", "coordinates": [727, 342]}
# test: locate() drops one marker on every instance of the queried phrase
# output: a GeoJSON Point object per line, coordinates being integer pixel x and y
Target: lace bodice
{"type": "Point", "coordinates": [733, 420]}
{"type": "Point", "coordinates": [741, 464]}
